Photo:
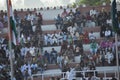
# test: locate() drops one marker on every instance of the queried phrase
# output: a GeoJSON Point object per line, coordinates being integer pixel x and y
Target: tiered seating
{"type": "Point", "coordinates": [49, 27]}
{"type": "Point", "coordinates": [52, 29]}
{"type": "Point", "coordinates": [86, 47]}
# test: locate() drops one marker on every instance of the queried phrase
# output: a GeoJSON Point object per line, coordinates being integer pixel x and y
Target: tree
{"type": "Point", "coordinates": [93, 2]}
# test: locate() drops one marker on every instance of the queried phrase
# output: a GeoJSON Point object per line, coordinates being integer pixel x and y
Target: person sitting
{"type": "Point", "coordinates": [86, 38]}
{"type": "Point", "coordinates": [108, 33]}
{"type": "Point", "coordinates": [53, 56]}
{"type": "Point", "coordinates": [93, 12]}
{"type": "Point", "coordinates": [91, 36]}
{"type": "Point", "coordinates": [103, 44]}
{"type": "Point", "coordinates": [58, 21]}
{"type": "Point", "coordinates": [59, 60]}
{"type": "Point", "coordinates": [64, 13]}
{"type": "Point", "coordinates": [93, 47]}
{"type": "Point", "coordinates": [109, 56]}
{"type": "Point", "coordinates": [1, 24]}
{"type": "Point", "coordinates": [46, 39]}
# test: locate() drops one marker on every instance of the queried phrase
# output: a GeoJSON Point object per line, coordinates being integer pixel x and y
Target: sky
{"type": "Point", "coordinates": [18, 4]}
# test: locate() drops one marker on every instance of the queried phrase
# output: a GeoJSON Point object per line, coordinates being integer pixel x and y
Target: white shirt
{"type": "Point", "coordinates": [109, 21]}
{"type": "Point", "coordinates": [32, 50]}
{"type": "Point", "coordinates": [45, 37]}
{"type": "Point", "coordinates": [34, 66]}
{"type": "Point", "coordinates": [22, 51]}
{"type": "Point", "coordinates": [30, 17]}
{"type": "Point", "coordinates": [59, 59]}
{"type": "Point", "coordinates": [109, 55]}
{"type": "Point", "coordinates": [92, 12]}
{"type": "Point", "coordinates": [107, 33]}
{"type": "Point", "coordinates": [91, 36]}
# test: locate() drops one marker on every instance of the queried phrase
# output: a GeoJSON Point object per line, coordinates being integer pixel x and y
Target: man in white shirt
{"type": "Point", "coordinates": [32, 50]}
{"type": "Point", "coordinates": [30, 17]}
{"type": "Point", "coordinates": [50, 40]}
{"type": "Point", "coordinates": [23, 52]}
{"type": "Point", "coordinates": [109, 56]}
{"type": "Point", "coordinates": [46, 39]}
{"type": "Point", "coordinates": [59, 60]}
{"type": "Point", "coordinates": [91, 35]}
{"type": "Point", "coordinates": [34, 66]}
{"type": "Point", "coordinates": [60, 38]}
{"type": "Point", "coordinates": [107, 33]}
{"type": "Point", "coordinates": [93, 12]}
{"type": "Point", "coordinates": [109, 21]}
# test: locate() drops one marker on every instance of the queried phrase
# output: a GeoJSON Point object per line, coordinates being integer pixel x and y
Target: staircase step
{"type": "Point", "coordinates": [48, 27]}
{"type": "Point", "coordinates": [52, 66]}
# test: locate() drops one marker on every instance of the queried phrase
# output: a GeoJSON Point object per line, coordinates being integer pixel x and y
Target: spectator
{"type": "Point", "coordinates": [109, 21]}
{"type": "Point", "coordinates": [69, 39]}
{"type": "Point", "coordinates": [65, 60]}
{"type": "Point", "coordinates": [93, 47]}
{"type": "Point", "coordinates": [59, 60]}
{"type": "Point", "coordinates": [109, 56]}
{"type": "Point", "coordinates": [30, 16]}
{"type": "Point", "coordinates": [46, 39]}
{"type": "Point", "coordinates": [103, 44]}
{"type": "Point", "coordinates": [47, 57]}
{"type": "Point", "coordinates": [53, 56]}
{"type": "Point", "coordinates": [108, 33]}
{"type": "Point", "coordinates": [103, 29]}
{"type": "Point", "coordinates": [77, 12]}
{"type": "Point", "coordinates": [88, 18]}
{"type": "Point", "coordinates": [93, 12]}
{"type": "Point", "coordinates": [71, 13]}
{"type": "Point", "coordinates": [77, 51]}
{"type": "Point", "coordinates": [63, 47]}
{"type": "Point", "coordinates": [64, 13]}
{"type": "Point", "coordinates": [54, 38]}
{"type": "Point", "coordinates": [5, 17]}
{"type": "Point", "coordinates": [70, 53]}
{"type": "Point", "coordinates": [91, 36]}
{"type": "Point", "coordinates": [34, 67]}
{"type": "Point", "coordinates": [58, 21]}
{"type": "Point", "coordinates": [1, 24]}
{"type": "Point", "coordinates": [17, 19]}
{"type": "Point", "coordinates": [75, 39]}
{"type": "Point", "coordinates": [60, 38]}
{"type": "Point", "coordinates": [113, 78]}
{"type": "Point", "coordinates": [40, 19]}
{"type": "Point", "coordinates": [86, 38]}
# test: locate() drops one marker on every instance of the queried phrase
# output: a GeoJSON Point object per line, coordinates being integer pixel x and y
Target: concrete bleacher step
{"type": "Point", "coordinates": [52, 66]}
{"type": "Point", "coordinates": [101, 69]}
{"type": "Point", "coordinates": [52, 27]}
{"type": "Point", "coordinates": [86, 47]}
{"type": "Point", "coordinates": [51, 31]}
{"type": "Point", "coordinates": [48, 27]}
{"type": "Point", "coordinates": [94, 29]}
{"type": "Point", "coordinates": [55, 66]}
{"type": "Point", "coordinates": [48, 22]}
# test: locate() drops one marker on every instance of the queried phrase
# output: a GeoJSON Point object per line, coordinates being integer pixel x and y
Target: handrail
{"type": "Point", "coordinates": [59, 73]}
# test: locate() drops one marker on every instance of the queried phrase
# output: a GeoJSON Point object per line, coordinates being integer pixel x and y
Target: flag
{"type": "Point", "coordinates": [114, 17]}
{"type": "Point", "coordinates": [12, 26]}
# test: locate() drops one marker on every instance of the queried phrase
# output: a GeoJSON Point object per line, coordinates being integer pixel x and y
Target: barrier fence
{"type": "Point", "coordinates": [62, 75]}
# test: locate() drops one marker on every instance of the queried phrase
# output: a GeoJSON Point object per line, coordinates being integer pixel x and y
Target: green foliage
{"type": "Point", "coordinates": [74, 5]}
{"type": "Point", "coordinates": [93, 2]}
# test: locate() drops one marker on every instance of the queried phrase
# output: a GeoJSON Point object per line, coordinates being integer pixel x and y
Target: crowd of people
{"type": "Point", "coordinates": [29, 57]}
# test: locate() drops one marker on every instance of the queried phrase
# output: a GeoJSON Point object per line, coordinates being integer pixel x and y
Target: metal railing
{"type": "Point", "coordinates": [62, 74]}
